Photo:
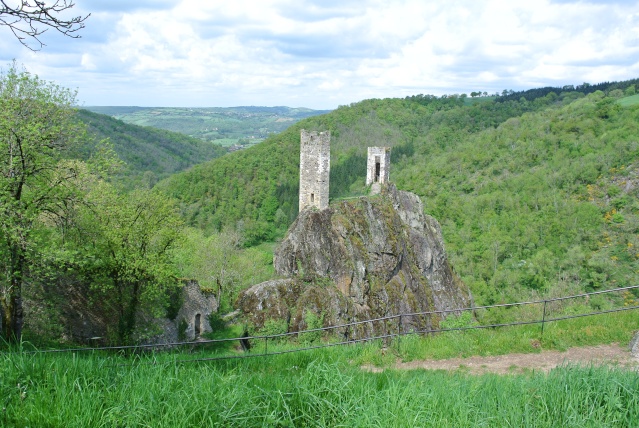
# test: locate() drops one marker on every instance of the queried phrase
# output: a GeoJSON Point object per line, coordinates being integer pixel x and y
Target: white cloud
{"type": "Point", "coordinates": [324, 53]}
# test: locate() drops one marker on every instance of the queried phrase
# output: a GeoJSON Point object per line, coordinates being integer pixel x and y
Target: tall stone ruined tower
{"type": "Point", "coordinates": [315, 165]}
{"type": "Point", "coordinates": [377, 168]}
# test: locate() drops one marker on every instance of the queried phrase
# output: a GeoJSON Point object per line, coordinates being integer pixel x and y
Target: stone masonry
{"type": "Point", "coordinates": [315, 165]}
{"type": "Point", "coordinates": [377, 169]}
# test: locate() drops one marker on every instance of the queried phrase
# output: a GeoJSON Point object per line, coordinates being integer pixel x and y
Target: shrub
{"type": "Point", "coordinates": [463, 320]}
{"type": "Point", "coordinates": [313, 321]}
{"type": "Point", "coordinates": [274, 327]}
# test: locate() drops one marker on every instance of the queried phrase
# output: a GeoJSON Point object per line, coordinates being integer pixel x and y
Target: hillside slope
{"type": "Point", "coordinates": [259, 185]}
{"type": "Point", "coordinates": [533, 196]}
{"type": "Point", "coordinates": [220, 125]}
{"type": "Point", "coordinates": [150, 154]}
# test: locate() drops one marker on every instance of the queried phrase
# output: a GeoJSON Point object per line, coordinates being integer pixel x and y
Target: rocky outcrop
{"type": "Point", "coordinates": [360, 259]}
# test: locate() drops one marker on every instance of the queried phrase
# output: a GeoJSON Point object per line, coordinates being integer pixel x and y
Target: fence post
{"type": "Point", "coordinates": [399, 334]}
{"type": "Point", "coordinates": [266, 345]}
{"type": "Point", "coordinates": [543, 318]}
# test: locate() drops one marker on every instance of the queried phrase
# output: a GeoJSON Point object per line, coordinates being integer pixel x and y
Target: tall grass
{"type": "Point", "coordinates": [314, 389]}
{"type": "Point", "coordinates": [325, 387]}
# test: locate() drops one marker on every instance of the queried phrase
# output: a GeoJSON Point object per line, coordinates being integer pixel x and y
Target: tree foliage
{"type": "Point", "coordinates": [123, 246]}
{"type": "Point", "coordinates": [36, 129]}
{"type": "Point", "coordinates": [221, 266]}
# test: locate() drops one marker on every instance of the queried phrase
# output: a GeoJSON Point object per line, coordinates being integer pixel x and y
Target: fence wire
{"type": "Point", "coordinates": [546, 317]}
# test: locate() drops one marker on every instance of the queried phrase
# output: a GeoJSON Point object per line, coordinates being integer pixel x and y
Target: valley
{"type": "Point", "coordinates": [536, 194]}
{"type": "Point", "coordinates": [232, 127]}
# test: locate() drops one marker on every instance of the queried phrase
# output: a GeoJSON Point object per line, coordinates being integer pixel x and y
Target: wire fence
{"type": "Point", "coordinates": [394, 326]}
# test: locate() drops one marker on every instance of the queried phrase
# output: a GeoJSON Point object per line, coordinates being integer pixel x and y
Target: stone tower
{"type": "Point", "coordinates": [315, 166]}
{"type": "Point", "coordinates": [377, 168]}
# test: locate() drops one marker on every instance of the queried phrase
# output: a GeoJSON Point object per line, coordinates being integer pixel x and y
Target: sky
{"type": "Point", "coordinates": [322, 54]}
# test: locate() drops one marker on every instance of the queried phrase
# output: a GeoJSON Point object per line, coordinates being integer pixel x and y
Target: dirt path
{"type": "Point", "coordinates": [517, 363]}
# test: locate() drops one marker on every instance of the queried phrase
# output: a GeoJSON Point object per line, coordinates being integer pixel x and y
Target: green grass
{"type": "Point", "coordinates": [470, 101]}
{"type": "Point", "coordinates": [326, 387]}
{"type": "Point", "coordinates": [629, 101]}
{"type": "Point", "coordinates": [225, 142]}
{"type": "Point", "coordinates": [314, 389]}
{"type": "Point", "coordinates": [610, 328]}
{"type": "Point", "coordinates": [561, 335]}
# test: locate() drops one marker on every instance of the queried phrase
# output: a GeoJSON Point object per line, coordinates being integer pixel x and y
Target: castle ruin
{"type": "Point", "coordinates": [315, 165]}
{"type": "Point", "coordinates": [377, 168]}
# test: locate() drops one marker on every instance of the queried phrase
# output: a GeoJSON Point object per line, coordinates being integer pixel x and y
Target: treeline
{"type": "Point", "coordinates": [584, 89]}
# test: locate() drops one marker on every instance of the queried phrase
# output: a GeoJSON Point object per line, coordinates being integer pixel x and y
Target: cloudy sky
{"type": "Point", "coordinates": [325, 53]}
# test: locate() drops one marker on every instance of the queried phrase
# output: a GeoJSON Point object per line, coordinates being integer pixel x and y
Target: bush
{"type": "Point", "coordinates": [463, 320]}
{"type": "Point", "coordinates": [274, 327]}
{"type": "Point", "coordinates": [313, 321]}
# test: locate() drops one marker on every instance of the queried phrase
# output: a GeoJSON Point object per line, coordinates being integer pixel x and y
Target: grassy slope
{"type": "Point", "coordinates": [315, 393]}
{"type": "Point", "coordinates": [148, 150]}
{"type": "Point", "coordinates": [629, 101]}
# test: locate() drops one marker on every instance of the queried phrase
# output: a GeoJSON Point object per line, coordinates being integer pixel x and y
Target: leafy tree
{"type": "Point", "coordinates": [36, 129]}
{"type": "Point", "coordinates": [31, 18]}
{"type": "Point", "coordinates": [213, 261]}
{"type": "Point", "coordinates": [125, 245]}
{"type": "Point", "coordinates": [220, 264]}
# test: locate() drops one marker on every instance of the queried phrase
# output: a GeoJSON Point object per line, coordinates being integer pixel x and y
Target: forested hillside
{"type": "Point", "coordinates": [534, 196]}
{"type": "Point", "coordinates": [149, 154]}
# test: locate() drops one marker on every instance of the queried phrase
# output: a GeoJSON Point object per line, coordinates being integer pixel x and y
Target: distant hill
{"type": "Point", "coordinates": [150, 154]}
{"type": "Point", "coordinates": [232, 126]}
{"type": "Point", "coordinates": [533, 196]}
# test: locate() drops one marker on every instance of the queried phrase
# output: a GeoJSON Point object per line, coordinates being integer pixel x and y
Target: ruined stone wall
{"type": "Point", "coordinates": [195, 311]}
{"type": "Point", "coordinates": [315, 163]}
{"type": "Point", "coordinates": [378, 166]}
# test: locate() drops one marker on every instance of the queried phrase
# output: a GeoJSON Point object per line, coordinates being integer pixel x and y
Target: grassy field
{"type": "Point", "coordinates": [326, 387]}
{"type": "Point", "coordinates": [629, 101]}
{"type": "Point", "coordinates": [561, 335]}
{"type": "Point", "coordinates": [314, 389]}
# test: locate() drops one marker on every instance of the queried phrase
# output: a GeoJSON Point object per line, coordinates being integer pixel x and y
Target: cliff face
{"type": "Point", "coordinates": [360, 259]}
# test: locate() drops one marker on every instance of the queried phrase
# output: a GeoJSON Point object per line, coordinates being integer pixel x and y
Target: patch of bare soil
{"type": "Point", "coordinates": [611, 355]}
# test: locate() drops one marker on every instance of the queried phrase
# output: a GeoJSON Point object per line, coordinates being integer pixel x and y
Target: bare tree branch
{"type": "Point", "coordinates": [32, 18]}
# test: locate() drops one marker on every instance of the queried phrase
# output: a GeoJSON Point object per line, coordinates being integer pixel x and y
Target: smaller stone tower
{"type": "Point", "coordinates": [315, 166]}
{"type": "Point", "coordinates": [377, 168]}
